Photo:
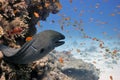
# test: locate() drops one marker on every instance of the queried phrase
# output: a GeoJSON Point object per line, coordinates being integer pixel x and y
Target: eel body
{"type": "Point", "coordinates": [41, 44]}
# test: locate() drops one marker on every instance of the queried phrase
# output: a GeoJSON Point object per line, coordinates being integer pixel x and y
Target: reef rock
{"type": "Point", "coordinates": [50, 68]}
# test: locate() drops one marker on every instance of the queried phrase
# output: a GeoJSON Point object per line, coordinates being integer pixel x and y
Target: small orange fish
{"type": "Point", "coordinates": [60, 60]}
{"type": "Point", "coordinates": [81, 14]}
{"type": "Point", "coordinates": [115, 51]}
{"type": "Point", "coordinates": [15, 11]}
{"type": "Point", "coordinates": [75, 9]}
{"type": "Point", "coordinates": [67, 19]}
{"type": "Point", "coordinates": [104, 33]}
{"type": "Point", "coordinates": [70, 1]}
{"type": "Point", "coordinates": [16, 30]}
{"type": "Point", "coordinates": [118, 12]}
{"type": "Point", "coordinates": [36, 15]}
{"type": "Point", "coordinates": [28, 39]}
{"type": "Point", "coordinates": [94, 62]}
{"type": "Point", "coordinates": [118, 6]}
{"type": "Point", "coordinates": [78, 50]}
{"type": "Point", "coordinates": [104, 22]}
{"type": "Point", "coordinates": [112, 14]}
{"type": "Point", "coordinates": [101, 51]}
{"type": "Point", "coordinates": [101, 45]}
{"type": "Point", "coordinates": [111, 78]}
{"type": "Point", "coordinates": [94, 39]}
{"type": "Point", "coordinates": [86, 36]}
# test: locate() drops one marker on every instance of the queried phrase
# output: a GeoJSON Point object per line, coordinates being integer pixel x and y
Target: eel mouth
{"type": "Point", "coordinates": [59, 41]}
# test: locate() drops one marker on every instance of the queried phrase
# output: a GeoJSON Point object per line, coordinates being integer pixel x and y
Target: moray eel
{"type": "Point", "coordinates": [41, 44]}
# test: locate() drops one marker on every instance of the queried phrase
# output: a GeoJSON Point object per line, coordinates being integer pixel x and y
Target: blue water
{"type": "Point", "coordinates": [99, 20]}
{"type": "Point", "coordinates": [94, 18]}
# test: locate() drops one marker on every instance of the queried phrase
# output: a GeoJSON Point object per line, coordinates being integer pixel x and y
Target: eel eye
{"type": "Point", "coordinates": [42, 50]}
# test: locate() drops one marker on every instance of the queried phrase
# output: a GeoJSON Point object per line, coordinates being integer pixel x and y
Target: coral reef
{"type": "Point", "coordinates": [50, 68]}
{"type": "Point", "coordinates": [19, 17]}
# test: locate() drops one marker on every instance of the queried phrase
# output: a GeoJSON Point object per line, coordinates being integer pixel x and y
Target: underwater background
{"type": "Point", "coordinates": [92, 31]}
